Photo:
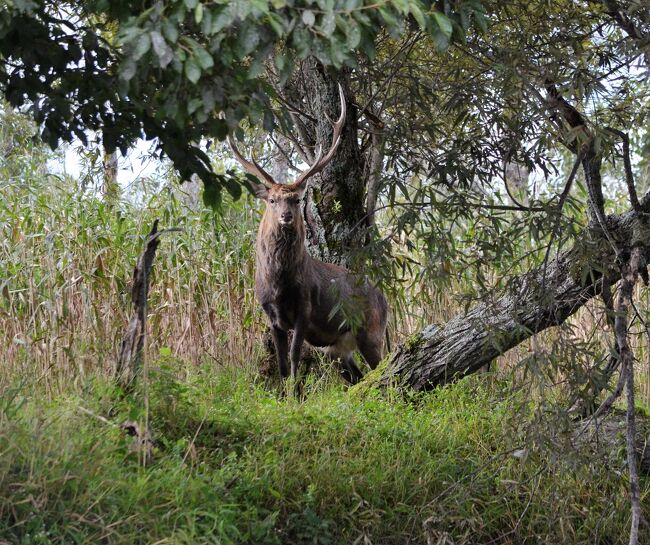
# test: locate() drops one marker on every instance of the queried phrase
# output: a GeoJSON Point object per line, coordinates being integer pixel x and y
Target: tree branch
{"type": "Point", "coordinates": [628, 280]}
{"type": "Point", "coordinates": [442, 354]}
{"type": "Point", "coordinates": [629, 175]}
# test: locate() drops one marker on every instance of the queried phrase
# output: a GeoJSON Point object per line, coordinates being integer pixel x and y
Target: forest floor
{"type": "Point", "coordinates": [236, 461]}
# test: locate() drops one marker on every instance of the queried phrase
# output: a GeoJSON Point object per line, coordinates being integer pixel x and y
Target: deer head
{"type": "Point", "coordinates": [283, 200]}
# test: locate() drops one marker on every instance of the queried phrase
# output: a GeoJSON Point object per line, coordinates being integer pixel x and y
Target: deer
{"type": "Point", "coordinates": [300, 293]}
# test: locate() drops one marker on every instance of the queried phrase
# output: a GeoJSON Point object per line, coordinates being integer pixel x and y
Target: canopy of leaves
{"type": "Point", "coordinates": [183, 70]}
{"type": "Point", "coordinates": [453, 121]}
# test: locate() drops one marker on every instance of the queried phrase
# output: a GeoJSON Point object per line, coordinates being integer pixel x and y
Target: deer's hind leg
{"type": "Point", "coordinates": [342, 351]}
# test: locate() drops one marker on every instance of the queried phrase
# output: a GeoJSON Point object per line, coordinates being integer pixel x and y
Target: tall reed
{"type": "Point", "coordinates": [66, 260]}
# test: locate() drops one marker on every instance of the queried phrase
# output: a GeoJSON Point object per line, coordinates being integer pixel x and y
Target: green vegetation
{"type": "Point", "coordinates": [236, 460]}
{"type": "Point", "coordinates": [236, 463]}
{"type": "Point", "coordinates": [167, 69]}
{"type": "Point", "coordinates": [483, 140]}
{"type": "Point", "coordinates": [66, 260]}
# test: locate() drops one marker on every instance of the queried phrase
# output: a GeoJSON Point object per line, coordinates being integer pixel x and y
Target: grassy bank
{"type": "Point", "coordinates": [235, 462]}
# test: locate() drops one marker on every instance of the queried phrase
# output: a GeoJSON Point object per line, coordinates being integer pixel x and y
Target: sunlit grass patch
{"type": "Point", "coordinates": [235, 462]}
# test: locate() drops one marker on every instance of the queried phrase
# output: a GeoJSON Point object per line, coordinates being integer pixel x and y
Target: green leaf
{"type": "Point", "coordinates": [277, 23]}
{"type": "Point", "coordinates": [212, 195]}
{"type": "Point", "coordinates": [328, 24]}
{"type": "Point", "coordinates": [247, 39]}
{"type": "Point", "coordinates": [223, 19]}
{"type": "Point", "coordinates": [354, 35]}
{"type": "Point", "coordinates": [308, 17]}
{"type": "Point", "coordinates": [206, 25]}
{"type": "Point", "coordinates": [198, 13]}
{"type": "Point", "coordinates": [338, 53]}
{"type": "Point", "coordinates": [261, 6]}
{"type": "Point", "coordinates": [191, 4]}
{"type": "Point", "coordinates": [208, 99]}
{"type": "Point", "coordinates": [169, 30]}
{"type": "Point", "coordinates": [25, 6]}
{"type": "Point", "coordinates": [193, 105]}
{"type": "Point", "coordinates": [128, 70]}
{"type": "Point", "coordinates": [443, 22]}
{"type": "Point", "coordinates": [279, 62]}
{"type": "Point", "coordinates": [440, 40]}
{"type": "Point", "coordinates": [418, 16]}
{"type": "Point", "coordinates": [389, 17]}
{"type": "Point", "coordinates": [284, 63]}
{"type": "Point", "coordinates": [163, 51]}
{"type": "Point", "coordinates": [256, 68]}
{"type": "Point", "coordinates": [269, 120]}
{"type": "Point", "coordinates": [481, 21]}
{"type": "Point", "coordinates": [204, 58]}
{"type": "Point", "coordinates": [192, 70]}
{"type": "Point", "coordinates": [142, 46]}
{"type": "Point", "coordinates": [405, 6]}
{"type": "Point", "coordinates": [233, 187]}
{"type": "Point", "coordinates": [367, 45]}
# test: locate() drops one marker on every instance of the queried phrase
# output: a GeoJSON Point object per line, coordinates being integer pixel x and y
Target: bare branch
{"type": "Point", "coordinates": [628, 280]}
{"type": "Point", "coordinates": [629, 175]}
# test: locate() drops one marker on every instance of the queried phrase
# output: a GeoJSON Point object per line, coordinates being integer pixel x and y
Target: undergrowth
{"type": "Point", "coordinates": [236, 462]}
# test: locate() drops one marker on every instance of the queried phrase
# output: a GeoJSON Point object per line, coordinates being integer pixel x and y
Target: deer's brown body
{"type": "Point", "coordinates": [322, 303]}
{"type": "Point", "coordinates": [300, 293]}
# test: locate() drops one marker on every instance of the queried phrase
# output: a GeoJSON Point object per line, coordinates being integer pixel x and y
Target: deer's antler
{"type": "Point", "coordinates": [321, 162]}
{"type": "Point", "coordinates": [251, 166]}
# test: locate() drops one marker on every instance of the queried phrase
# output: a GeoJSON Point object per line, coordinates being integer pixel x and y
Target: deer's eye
{"type": "Point", "coordinates": [272, 201]}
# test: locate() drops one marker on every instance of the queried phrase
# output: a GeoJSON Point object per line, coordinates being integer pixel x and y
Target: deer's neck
{"type": "Point", "coordinates": [281, 252]}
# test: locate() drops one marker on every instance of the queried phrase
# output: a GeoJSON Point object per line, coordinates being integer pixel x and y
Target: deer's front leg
{"type": "Point", "coordinates": [281, 342]}
{"type": "Point", "coordinates": [296, 345]}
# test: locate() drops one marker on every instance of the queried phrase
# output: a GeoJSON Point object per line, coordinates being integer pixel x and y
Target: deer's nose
{"type": "Point", "coordinates": [286, 217]}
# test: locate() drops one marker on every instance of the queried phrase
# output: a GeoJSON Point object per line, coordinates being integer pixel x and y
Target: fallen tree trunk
{"type": "Point", "coordinates": [543, 298]}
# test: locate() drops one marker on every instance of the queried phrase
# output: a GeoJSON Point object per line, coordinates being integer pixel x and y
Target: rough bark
{"type": "Point", "coordinates": [376, 164]}
{"type": "Point", "coordinates": [629, 274]}
{"type": "Point", "coordinates": [130, 359]}
{"type": "Point", "coordinates": [543, 298]}
{"type": "Point", "coordinates": [131, 350]}
{"type": "Point", "coordinates": [110, 187]}
{"type": "Point", "coordinates": [335, 208]}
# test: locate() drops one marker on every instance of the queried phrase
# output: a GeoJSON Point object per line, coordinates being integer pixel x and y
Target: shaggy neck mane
{"type": "Point", "coordinates": [281, 250]}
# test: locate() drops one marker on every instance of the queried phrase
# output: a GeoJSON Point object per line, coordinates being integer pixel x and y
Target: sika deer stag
{"type": "Point", "coordinates": [301, 293]}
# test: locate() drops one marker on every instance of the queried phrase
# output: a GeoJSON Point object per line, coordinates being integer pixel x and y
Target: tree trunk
{"type": "Point", "coordinates": [335, 209]}
{"type": "Point", "coordinates": [110, 188]}
{"type": "Point", "coordinates": [543, 298]}
{"type": "Point", "coordinates": [131, 354]}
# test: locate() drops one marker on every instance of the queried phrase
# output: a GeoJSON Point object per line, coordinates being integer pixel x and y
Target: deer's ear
{"type": "Point", "coordinates": [301, 190]}
{"type": "Point", "coordinates": [259, 190]}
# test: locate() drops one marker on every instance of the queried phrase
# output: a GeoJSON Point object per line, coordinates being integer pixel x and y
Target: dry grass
{"type": "Point", "coordinates": [65, 266]}
{"type": "Point", "coordinates": [66, 262]}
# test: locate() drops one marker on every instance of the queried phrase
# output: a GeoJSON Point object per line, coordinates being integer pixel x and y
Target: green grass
{"type": "Point", "coordinates": [237, 463]}
{"type": "Point", "coordinates": [234, 461]}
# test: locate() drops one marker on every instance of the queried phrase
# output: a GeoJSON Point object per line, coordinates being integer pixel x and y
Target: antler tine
{"type": "Point", "coordinates": [321, 162]}
{"type": "Point", "coordinates": [251, 166]}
